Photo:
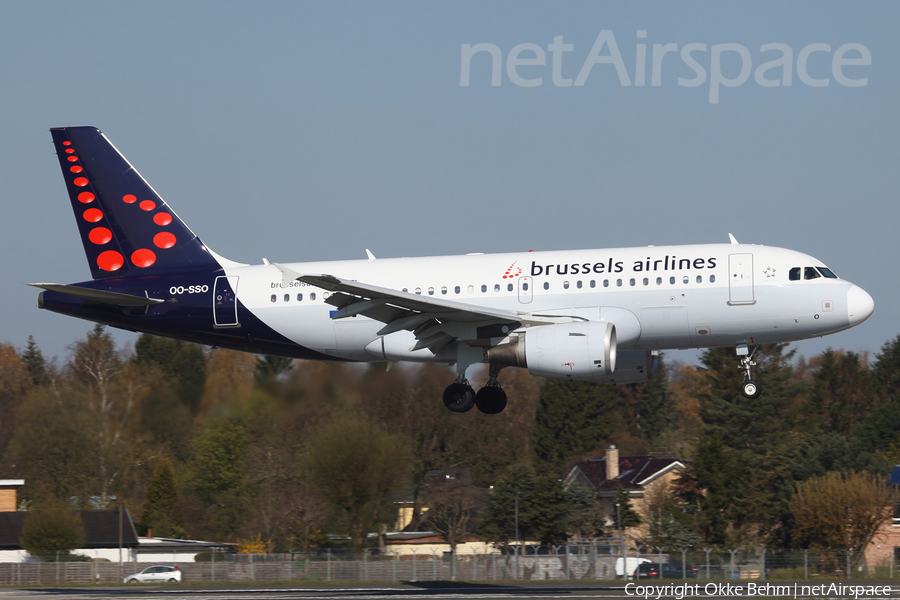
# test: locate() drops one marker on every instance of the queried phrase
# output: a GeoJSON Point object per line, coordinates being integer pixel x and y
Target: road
{"type": "Point", "coordinates": [458, 591]}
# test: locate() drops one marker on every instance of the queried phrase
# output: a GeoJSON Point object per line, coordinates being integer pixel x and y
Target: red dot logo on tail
{"type": "Point", "coordinates": [143, 257]}
{"type": "Point", "coordinates": [110, 260]}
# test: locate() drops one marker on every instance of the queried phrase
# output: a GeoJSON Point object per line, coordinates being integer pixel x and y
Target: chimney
{"type": "Point", "coordinates": [612, 462]}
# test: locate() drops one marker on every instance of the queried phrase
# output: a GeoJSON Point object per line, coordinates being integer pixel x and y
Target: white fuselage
{"type": "Point", "coordinates": [665, 297]}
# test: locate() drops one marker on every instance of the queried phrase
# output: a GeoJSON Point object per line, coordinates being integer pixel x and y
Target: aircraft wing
{"type": "Point", "coordinates": [435, 321]}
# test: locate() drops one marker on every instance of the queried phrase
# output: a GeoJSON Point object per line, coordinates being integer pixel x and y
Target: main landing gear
{"type": "Point", "coordinates": [459, 395]}
{"type": "Point", "coordinates": [750, 388]}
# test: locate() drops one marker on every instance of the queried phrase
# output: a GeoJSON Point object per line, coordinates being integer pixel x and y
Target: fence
{"type": "Point", "coordinates": [589, 560]}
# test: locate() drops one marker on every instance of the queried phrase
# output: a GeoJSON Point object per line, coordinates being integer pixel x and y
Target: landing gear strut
{"type": "Point", "coordinates": [750, 388]}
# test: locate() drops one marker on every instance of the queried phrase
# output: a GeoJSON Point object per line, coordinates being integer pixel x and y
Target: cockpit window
{"type": "Point", "coordinates": [826, 272]}
{"type": "Point", "coordinates": [794, 274]}
{"type": "Point", "coordinates": [810, 273]}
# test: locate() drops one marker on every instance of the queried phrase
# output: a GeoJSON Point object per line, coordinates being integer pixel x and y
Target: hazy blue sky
{"type": "Point", "coordinates": [300, 130]}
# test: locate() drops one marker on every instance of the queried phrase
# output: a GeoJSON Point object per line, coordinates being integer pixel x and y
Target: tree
{"type": "Point", "coordinates": [161, 513]}
{"type": "Point", "coordinates": [452, 503]}
{"type": "Point", "coordinates": [15, 382]}
{"type": "Point", "coordinates": [35, 363]}
{"type": "Point", "coordinates": [53, 447]}
{"type": "Point", "coordinates": [573, 417]}
{"type": "Point", "coordinates": [352, 464]}
{"type": "Point", "coordinates": [586, 517]}
{"type": "Point", "coordinates": [52, 528]}
{"type": "Point", "coordinates": [647, 409]}
{"type": "Point", "coordinates": [543, 509]}
{"type": "Point", "coordinates": [739, 437]}
{"type": "Point", "coordinates": [216, 474]}
{"type": "Point", "coordinates": [624, 515]}
{"type": "Point", "coordinates": [841, 393]}
{"type": "Point", "coordinates": [841, 510]}
{"type": "Point", "coordinates": [181, 365]}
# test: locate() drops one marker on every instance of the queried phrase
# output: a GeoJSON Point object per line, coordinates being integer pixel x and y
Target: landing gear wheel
{"type": "Point", "coordinates": [459, 397]}
{"type": "Point", "coordinates": [490, 400]}
{"type": "Point", "coordinates": [751, 389]}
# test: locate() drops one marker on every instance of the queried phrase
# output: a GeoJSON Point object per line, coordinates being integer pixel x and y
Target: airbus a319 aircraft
{"type": "Point", "coordinates": [595, 315]}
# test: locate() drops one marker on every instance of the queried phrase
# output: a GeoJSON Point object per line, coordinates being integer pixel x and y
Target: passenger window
{"type": "Point", "coordinates": [471, 289]}
{"type": "Point", "coordinates": [509, 287]}
{"type": "Point", "coordinates": [456, 290]}
{"type": "Point", "coordinates": [794, 274]}
{"type": "Point", "coordinates": [646, 281]}
{"type": "Point", "coordinates": [431, 291]}
{"type": "Point", "coordinates": [699, 278]}
{"type": "Point", "coordinates": [496, 287]}
{"type": "Point", "coordinates": [312, 296]}
{"type": "Point", "coordinates": [712, 278]}
{"type": "Point", "coordinates": [484, 288]}
{"type": "Point", "coordinates": [405, 290]}
{"type": "Point", "coordinates": [578, 284]}
{"type": "Point", "coordinates": [631, 282]}
{"type": "Point", "coordinates": [810, 273]}
{"type": "Point", "coordinates": [686, 279]}
{"type": "Point", "coordinates": [659, 281]}
{"type": "Point", "coordinates": [618, 283]}
{"type": "Point", "coordinates": [606, 283]}
{"type": "Point", "coordinates": [593, 283]}
{"type": "Point", "coordinates": [672, 280]}
{"type": "Point", "coordinates": [525, 287]}
{"type": "Point", "coordinates": [444, 290]}
{"type": "Point", "coordinates": [273, 297]}
{"type": "Point", "coordinates": [546, 285]}
{"type": "Point", "coordinates": [300, 297]}
{"type": "Point", "coordinates": [287, 297]}
{"type": "Point", "coordinates": [565, 285]}
{"type": "Point", "coordinates": [826, 272]}
{"type": "Point", "coordinates": [419, 291]}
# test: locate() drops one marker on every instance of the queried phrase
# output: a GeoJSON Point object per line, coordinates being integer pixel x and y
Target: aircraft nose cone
{"type": "Point", "coordinates": [859, 305]}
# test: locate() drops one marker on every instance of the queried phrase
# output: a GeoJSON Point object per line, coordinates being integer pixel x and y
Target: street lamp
{"type": "Point", "coordinates": [517, 535]}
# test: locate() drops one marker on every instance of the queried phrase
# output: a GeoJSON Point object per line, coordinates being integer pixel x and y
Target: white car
{"type": "Point", "coordinates": [157, 574]}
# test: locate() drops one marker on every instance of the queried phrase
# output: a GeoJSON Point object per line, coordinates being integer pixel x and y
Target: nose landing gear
{"type": "Point", "coordinates": [750, 388]}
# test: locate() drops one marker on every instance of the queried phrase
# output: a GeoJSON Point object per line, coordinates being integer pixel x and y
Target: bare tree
{"type": "Point", "coordinates": [841, 510]}
{"type": "Point", "coordinates": [452, 503]}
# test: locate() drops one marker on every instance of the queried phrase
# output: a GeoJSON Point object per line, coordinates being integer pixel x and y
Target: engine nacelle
{"type": "Point", "coordinates": [633, 366]}
{"type": "Point", "coordinates": [584, 350]}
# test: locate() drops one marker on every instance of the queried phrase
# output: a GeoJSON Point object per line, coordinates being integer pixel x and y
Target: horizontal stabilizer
{"type": "Point", "coordinates": [99, 296]}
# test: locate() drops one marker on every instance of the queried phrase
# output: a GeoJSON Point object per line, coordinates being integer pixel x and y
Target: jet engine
{"type": "Point", "coordinates": [584, 350]}
{"type": "Point", "coordinates": [633, 366]}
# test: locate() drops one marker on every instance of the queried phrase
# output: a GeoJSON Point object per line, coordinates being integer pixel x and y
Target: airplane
{"type": "Point", "coordinates": [597, 315]}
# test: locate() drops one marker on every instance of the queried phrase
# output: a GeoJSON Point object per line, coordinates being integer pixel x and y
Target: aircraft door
{"type": "Point", "coordinates": [225, 302]}
{"type": "Point", "coordinates": [740, 284]}
{"type": "Point", "coordinates": [526, 289]}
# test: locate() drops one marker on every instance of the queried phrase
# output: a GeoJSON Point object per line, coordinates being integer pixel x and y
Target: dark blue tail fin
{"type": "Point", "coordinates": [126, 228]}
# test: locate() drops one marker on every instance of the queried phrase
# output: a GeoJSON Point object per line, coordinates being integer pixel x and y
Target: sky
{"type": "Point", "coordinates": [314, 130]}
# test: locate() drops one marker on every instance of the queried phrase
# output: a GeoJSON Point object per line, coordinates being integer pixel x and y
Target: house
{"type": "Point", "coordinates": [108, 535]}
{"type": "Point", "coordinates": [103, 530]}
{"type": "Point", "coordinates": [640, 476]}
